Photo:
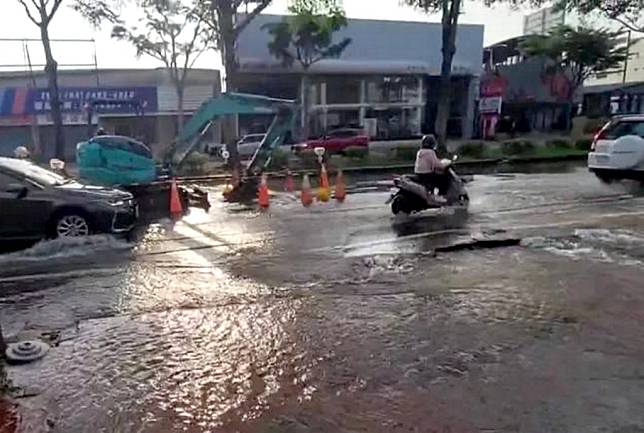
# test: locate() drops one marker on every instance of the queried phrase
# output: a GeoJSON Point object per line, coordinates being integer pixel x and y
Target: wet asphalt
{"type": "Point", "coordinates": [344, 318]}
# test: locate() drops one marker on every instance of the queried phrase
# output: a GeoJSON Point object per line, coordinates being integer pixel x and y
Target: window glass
{"type": "Point", "coordinates": [393, 89]}
{"type": "Point", "coordinates": [621, 129]}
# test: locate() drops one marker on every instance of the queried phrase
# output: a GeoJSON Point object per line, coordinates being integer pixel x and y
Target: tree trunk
{"type": "Point", "coordinates": [3, 345]}
{"type": "Point", "coordinates": [51, 69]}
{"type": "Point", "coordinates": [305, 85]}
{"type": "Point", "coordinates": [181, 114]}
{"type": "Point", "coordinates": [226, 20]}
{"type": "Point", "coordinates": [3, 374]}
{"type": "Point", "coordinates": [451, 10]}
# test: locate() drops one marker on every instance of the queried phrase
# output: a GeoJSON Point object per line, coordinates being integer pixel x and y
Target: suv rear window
{"type": "Point", "coordinates": [622, 128]}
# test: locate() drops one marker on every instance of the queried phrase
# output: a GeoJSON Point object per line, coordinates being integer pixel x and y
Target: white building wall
{"type": "Point", "coordinates": [193, 97]}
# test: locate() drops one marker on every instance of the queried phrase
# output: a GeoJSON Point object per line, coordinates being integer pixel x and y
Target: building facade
{"type": "Point", "coordinates": [386, 81]}
{"type": "Point", "coordinates": [543, 21]}
{"type": "Point", "coordinates": [140, 103]}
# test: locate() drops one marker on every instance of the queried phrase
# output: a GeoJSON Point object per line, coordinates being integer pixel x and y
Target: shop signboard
{"type": "Point", "coordinates": [490, 105]}
{"type": "Point", "coordinates": [74, 100]}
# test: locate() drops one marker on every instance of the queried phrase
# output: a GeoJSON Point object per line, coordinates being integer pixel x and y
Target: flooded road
{"type": "Point", "coordinates": [343, 318]}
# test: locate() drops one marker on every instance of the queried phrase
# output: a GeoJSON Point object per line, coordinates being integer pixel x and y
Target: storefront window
{"type": "Point", "coordinates": [396, 122]}
{"type": "Point", "coordinates": [342, 90]}
{"type": "Point", "coordinates": [393, 89]}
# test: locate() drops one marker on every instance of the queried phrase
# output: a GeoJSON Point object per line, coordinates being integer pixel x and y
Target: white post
{"type": "Point", "coordinates": [363, 101]}
{"type": "Point", "coordinates": [468, 119]}
{"type": "Point", "coordinates": [421, 102]}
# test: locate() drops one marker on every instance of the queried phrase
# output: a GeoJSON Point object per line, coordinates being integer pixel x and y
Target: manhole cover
{"type": "Point", "coordinates": [26, 351]}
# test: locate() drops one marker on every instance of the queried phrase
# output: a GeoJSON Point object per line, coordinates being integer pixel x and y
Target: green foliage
{"type": "Point", "coordinates": [583, 143]}
{"type": "Point", "coordinates": [578, 53]}
{"type": "Point", "coordinates": [99, 11]}
{"type": "Point", "coordinates": [518, 147]}
{"type": "Point", "coordinates": [306, 36]}
{"type": "Point", "coordinates": [356, 152]}
{"type": "Point", "coordinates": [173, 32]}
{"type": "Point", "coordinates": [279, 159]}
{"type": "Point", "coordinates": [194, 165]}
{"type": "Point", "coordinates": [472, 150]}
{"type": "Point", "coordinates": [308, 159]}
{"type": "Point", "coordinates": [628, 13]}
{"type": "Point", "coordinates": [558, 143]}
{"type": "Point", "coordinates": [406, 153]}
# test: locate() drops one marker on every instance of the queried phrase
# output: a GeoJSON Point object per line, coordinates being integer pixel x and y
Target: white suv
{"type": "Point", "coordinates": [617, 151]}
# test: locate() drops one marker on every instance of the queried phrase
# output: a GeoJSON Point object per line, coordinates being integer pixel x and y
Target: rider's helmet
{"type": "Point", "coordinates": [21, 152]}
{"type": "Point", "coordinates": [429, 142]}
{"type": "Point", "coordinates": [100, 131]}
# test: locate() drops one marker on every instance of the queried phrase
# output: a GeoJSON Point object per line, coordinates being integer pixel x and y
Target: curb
{"type": "Point", "coordinates": [386, 168]}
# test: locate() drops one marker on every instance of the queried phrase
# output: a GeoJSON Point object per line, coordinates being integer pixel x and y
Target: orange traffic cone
{"type": "Point", "coordinates": [324, 192]}
{"type": "Point", "coordinates": [340, 189]}
{"type": "Point", "coordinates": [307, 198]}
{"type": "Point", "coordinates": [263, 198]}
{"type": "Point", "coordinates": [289, 185]}
{"type": "Point", "coordinates": [176, 210]}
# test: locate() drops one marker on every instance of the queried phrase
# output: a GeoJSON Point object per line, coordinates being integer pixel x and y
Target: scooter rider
{"type": "Point", "coordinates": [429, 170]}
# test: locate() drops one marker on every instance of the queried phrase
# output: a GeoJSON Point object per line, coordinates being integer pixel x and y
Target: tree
{"type": "Point", "coordinates": [224, 21]}
{"type": "Point", "coordinates": [307, 37]}
{"type": "Point", "coordinates": [450, 11]}
{"type": "Point", "coordinates": [41, 13]}
{"type": "Point", "coordinates": [174, 34]}
{"type": "Point", "coordinates": [628, 13]}
{"type": "Point", "coordinates": [578, 53]}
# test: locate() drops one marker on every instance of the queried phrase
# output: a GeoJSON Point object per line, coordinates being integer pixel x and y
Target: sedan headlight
{"type": "Point", "coordinates": [116, 202]}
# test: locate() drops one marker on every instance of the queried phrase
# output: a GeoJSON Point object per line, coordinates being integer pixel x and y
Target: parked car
{"type": "Point", "coordinates": [214, 149]}
{"type": "Point", "coordinates": [38, 203]}
{"type": "Point", "coordinates": [249, 144]}
{"type": "Point", "coordinates": [617, 151]}
{"type": "Point", "coordinates": [338, 140]}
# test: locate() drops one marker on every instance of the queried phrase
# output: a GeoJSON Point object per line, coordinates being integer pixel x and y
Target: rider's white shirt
{"type": "Point", "coordinates": [427, 162]}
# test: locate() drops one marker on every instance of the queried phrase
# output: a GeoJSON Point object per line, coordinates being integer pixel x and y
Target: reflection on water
{"type": "Point", "coordinates": [346, 325]}
{"type": "Point", "coordinates": [186, 370]}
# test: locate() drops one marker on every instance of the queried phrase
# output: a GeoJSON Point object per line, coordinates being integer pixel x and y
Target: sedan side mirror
{"type": "Point", "coordinates": [18, 189]}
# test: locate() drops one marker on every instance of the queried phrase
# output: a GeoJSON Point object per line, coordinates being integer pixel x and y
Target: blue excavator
{"type": "Point", "coordinates": [129, 164]}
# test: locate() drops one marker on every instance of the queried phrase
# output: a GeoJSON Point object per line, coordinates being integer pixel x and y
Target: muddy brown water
{"type": "Point", "coordinates": [341, 318]}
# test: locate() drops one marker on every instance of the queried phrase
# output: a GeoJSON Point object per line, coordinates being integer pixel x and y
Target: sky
{"type": "Point", "coordinates": [501, 22]}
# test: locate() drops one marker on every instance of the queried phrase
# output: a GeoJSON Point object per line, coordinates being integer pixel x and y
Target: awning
{"type": "Point", "coordinates": [618, 88]}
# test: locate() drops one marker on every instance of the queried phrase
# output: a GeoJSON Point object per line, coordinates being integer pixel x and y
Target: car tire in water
{"type": "Point", "coordinates": [70, 224]}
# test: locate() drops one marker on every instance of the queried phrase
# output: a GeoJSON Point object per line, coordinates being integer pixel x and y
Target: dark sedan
{"type": "Point", "coordinates": [37, 203]}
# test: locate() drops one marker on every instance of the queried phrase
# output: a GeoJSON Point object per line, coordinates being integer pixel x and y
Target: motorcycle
{"type": "Point", "coordinates": [411, 196]}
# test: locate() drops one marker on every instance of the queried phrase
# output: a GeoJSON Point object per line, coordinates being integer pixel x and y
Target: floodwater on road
{"type": "Point", "coordinates": [344, 318]}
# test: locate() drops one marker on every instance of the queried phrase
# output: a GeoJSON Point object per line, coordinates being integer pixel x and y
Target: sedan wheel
{"type": "Point", "coordinates": [72, 226]}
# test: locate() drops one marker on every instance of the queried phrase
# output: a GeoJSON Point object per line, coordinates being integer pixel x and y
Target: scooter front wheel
{"type": "Point", "coordinates": [398, 205]}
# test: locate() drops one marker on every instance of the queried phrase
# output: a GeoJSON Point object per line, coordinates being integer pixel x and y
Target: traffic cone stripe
{"type": "Point", "coordinates": [340, 189]}
{"type": "Point", "coordinates": [307, 198]}
{"type": "Point", "coordinates": [263, 199]}
{"type": "Point", "coordinates": [324, 192]}
{"type": "Point", "coordinates": [289, 185]}
{"type": "Point", "coordinates": [176, 210]}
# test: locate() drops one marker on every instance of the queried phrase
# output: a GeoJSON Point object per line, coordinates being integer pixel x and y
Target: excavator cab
{"type": "Point", "coordinates": [123, 162]}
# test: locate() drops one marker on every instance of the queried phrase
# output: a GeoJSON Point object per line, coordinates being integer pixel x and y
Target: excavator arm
{"type": "Point", "coordinates": [232, 104]}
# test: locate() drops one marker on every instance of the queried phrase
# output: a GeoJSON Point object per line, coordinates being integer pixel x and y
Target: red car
{"type": "Point", "coordinates": [339, 140]}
